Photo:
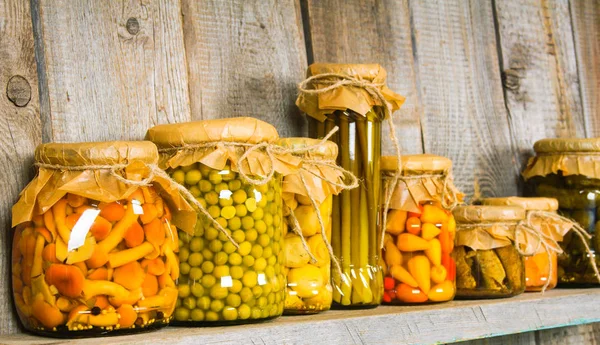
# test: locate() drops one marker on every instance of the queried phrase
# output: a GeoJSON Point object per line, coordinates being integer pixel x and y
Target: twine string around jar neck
{"type": "Point", "coordinates": [449, 195]}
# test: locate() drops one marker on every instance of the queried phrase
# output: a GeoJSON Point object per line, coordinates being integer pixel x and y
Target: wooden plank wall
{"type": "Point", "coordinates": [483, 79]}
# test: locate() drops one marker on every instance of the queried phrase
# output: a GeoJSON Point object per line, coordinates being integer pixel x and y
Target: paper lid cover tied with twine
{"type": "Point", "coordinates": [423, 178]}
{"type": "Point", "coordinates": [242, 141]}
{"type": "Point", "coordinates": [569, 156]}
{"type": "Point", "coordinates": [529, 204]}
{"type": "Point", "coordinates": [103, 171]}
{"type": "Point", "coordinates": [346, 88]}
{"type": "Point", "coordinates": [487, 227]}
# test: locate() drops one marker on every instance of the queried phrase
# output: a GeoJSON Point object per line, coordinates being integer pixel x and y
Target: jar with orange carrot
{"type": "Point", "coordinates": [488, 262]}
{"type": "Point", "coordinates": [547, 231]}
{"type": "Point", "coordinates": [419, 230]}
{"type": "Point", "coordinates": [94, 249]}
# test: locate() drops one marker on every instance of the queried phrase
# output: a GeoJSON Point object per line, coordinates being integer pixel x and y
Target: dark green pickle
{"type": "Point", "coordinates": [579, 199]}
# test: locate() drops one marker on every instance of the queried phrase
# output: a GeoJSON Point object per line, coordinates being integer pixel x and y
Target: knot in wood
{"type": "Point", "coordinates": [132, 26]}
{"type": "Point", "coordinates": [18, 90]}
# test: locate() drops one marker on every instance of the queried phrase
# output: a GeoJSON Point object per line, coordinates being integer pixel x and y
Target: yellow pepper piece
{"type": "Point", "coordinates": [393, 256]}
{"type": "Point", "coordinates": [433, 214]}
{"type": "Point", "coordinates": [317, 247]}
{"type": "Point", "coordinates": [419, 267]}
{"type": "Point", "coordinates": [411, 243]}
{"type": "Point", "coordinates": [441, 292]}
{"type": "Point", "coordinates": [438, 274]}
{"type": "Point", "coordinates": [434, 252]}
{"type": "Point", "coordinates": [429, 231]}
{"type": "Point", "coordinates": [400, 274]}
{"type": "Point", "coordinates": [305, 281]}
{"type": "Point", "coordinates": [396, 222]}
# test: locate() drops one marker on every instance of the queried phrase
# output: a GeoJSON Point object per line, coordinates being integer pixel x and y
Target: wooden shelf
{"type": "Point", "coordinates": [440, 323]}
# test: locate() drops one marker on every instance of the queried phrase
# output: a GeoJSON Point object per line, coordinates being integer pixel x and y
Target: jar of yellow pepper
{"type": "Point", "coordinates": [419, 229]}
{"type": "Point", "coordinates": [94, 250]}
{"type": "Point", "coordinates": [308, 196]}
{"type": "Point", "coordinates": [232, 263]}
{"type": "Point", "coordinates": [354, 98]}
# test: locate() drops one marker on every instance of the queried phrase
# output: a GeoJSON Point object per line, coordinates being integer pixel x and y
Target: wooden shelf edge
{"type": "Point", "coordinates": [440, 323]}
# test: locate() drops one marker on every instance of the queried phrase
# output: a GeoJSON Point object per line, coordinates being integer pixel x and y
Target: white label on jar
{"type": "Point", "coordinates": [81, 229]}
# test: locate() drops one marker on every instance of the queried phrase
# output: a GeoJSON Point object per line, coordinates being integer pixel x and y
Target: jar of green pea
{"type": "Point", "coordinates": [232, 273]}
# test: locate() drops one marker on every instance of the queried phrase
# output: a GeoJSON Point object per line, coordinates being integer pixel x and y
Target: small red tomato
{"type": "Point", "coordinates": [389, 283]}
{"type": "Point", "coordinates": [386, 296]}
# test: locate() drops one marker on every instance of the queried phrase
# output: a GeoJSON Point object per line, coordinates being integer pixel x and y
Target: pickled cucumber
{"type": "Point", "coordinates": [222, 283]}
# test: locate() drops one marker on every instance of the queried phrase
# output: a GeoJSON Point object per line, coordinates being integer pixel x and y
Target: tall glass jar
{"type": "Point", "coordinates": [232, 263]}
{"type": "Point", "coordinates": [541, 270]}
{"type": "Point", "coordinates": [94, 246]}
{"type": "Point", "coordinates": [359, 116]}
{"type": "Point", "coordinates": [419, 230]}
{"type": "Point", "coordinates": [567, 169]}
{"type": "Point", "coordinates": [488, 265]}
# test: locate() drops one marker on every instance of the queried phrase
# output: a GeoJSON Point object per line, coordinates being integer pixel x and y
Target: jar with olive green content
{"type": "Point", "coordinates": [220, 283]}
{"type": "Point", "coordinates": [355, 235]}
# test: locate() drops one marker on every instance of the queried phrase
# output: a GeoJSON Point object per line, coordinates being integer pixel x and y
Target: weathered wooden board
{"type": "Point", "coordinates": [584, 334]}
{"type": "Point", "coordinates": [438, 323]}
{"type": "Point", "coordinates": [464, 116]}
{"type": "Point", "coordinates": [112, 69]}
{"type": "Point", "coordinates": [20, 130]}
{"type": "Point", "coordinates": [539, 71]}
{"type": "Point", "coordinates": [370, 32]}
{"type": "Point", "coordinates": [586, 30]}
{"type": "Point", "coordinates": [245, 59]}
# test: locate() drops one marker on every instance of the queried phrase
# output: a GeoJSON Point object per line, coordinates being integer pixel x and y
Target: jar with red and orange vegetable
{"type": "Point", "coordinates": [94, 245]}
{"type": "Point", "coordinates": [419, 230]}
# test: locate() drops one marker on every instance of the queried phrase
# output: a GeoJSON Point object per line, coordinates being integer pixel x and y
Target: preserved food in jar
{"type": "Point", "coordinates": [488, 265]}
{"type": "Point", "coordinates": [94, 251]}
{"type": "Point", "coordinates": [232, 264]}
{"type": "Point", "coordinates": [354, 98]}
{"type": "Point", "coordinates": [567, 170]}
{"type": "Point", "coordinates": [419, 230]}
{"type": "Point", "coordinates": [308, 196]}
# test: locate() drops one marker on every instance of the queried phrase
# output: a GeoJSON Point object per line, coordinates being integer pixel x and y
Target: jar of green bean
{"type": "Point", "coordinates": [231, 266]}
{"type": "Point", "coordinates": [355, 99]}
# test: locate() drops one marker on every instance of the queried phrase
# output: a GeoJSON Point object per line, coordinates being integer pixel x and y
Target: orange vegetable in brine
{"type": "Point", "coordinates": [400, 274]}
{"type": "Point", "coordinates": [438, 274]}
{"type": "Point", "coordinates": [409, 294]}
{"type": "Point", "coordinates": [441, 292]}
{"type": "Point", "coordinates": [411, 243]}
{"type": "Point", "coordinates": [433, 214]}
{"type": "Point", "coordinates": [392, 254]}
{"type": "Point", "coordinates": [413, 225]}
{"type": "Point", "coordinates": [419, 267]}
{"type": "Point", "coordinates": [100, 228]}
{"type": "Point", "coordinates": [113, 212]}
{"type": "Point", "coordinates": [396, 221]}
{"type": "Point", "coordinates": [67, 279]}
{"type": "Point", "coordinates": [434, 252]}
{"type": "Point", "coordinates": [429, 231]}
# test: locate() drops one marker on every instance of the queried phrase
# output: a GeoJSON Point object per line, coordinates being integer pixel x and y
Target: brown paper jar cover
{"type": "Point", "coordinates": [487, 227]}
{"type": "Point", "coordinates": [570, 156]}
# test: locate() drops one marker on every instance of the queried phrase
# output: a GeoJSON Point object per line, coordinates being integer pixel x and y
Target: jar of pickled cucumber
{"type": "Point", "coordinates": [94, 250]}
{"type": "Point", "coordinates": [231, 265]}
{"type": "Point", "coordinates": [353, 106]}
{"type": "Point", "coordinates": [567, 170]}
{"type": "Point", "coordinates": [541, 267]}
{"type": "Point", "coordinates": [488, 265]}
{"type": "Point", "coordinates": [419, 230]}
{"type": "Point", "coordinates": [307, 239]}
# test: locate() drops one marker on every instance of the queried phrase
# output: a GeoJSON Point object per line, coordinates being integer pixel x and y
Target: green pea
{"type": "Point", "coordinates": [234, 223]}
{"type": "Point", "coordinates": [195, 191]}
{"type": "Point", "coordinates": [205, 186]}
{"type": "Point", "coordinates": [222, 222]}
{"type": "Point", "coordinates": [184, 290]}
{"type": "Point", "coordinates": [207, 268]}
{"type": "Point", "coordinates": [221, 271]}
{"type": "Point", "coordinates": [220, 258]}
{"type": "Point", "coordinates": [273, 208]}
{"type": "Point", "coordinates": [202, 202]}
{"type": "Point", "coordinates": [247, 222]}
{"type": "Point", "coordinates": [178, 303]}
{"type": "Point", "coordinates": [258, 214]}
{"type": "Point", "coordinates": [273, 311]}
{"type": "Point", "coordinates": [218, 292]}
{"type": "Point", "coordinates": [188, 167]}
{"type": "Point", "coordinates": [207, 254]}
{"type": "Point", "coordinates": [276, 220]}
{"type": "Point", "coordinates": [215, 246]}
{"type": "Point", "coordinates": [264, 240]}
{"type": "Point", "coordinates": [182, 314]}
{"type": "Point", "coordinates": [208, 281]}
{"type": "Point", "coordinates": [203, 302]}
{"type": "Point", "coordinates": [196, 273]}
{"type": "Point", "coordinates": [262, 203]}
{"type": "Point", "coordinates": [211, 233]}
{"type": "Point", "coordinates": [250, 204]}
{"type": "Point", "coordinates": [189, 302]}
{"type": "Point", "coordinates": [197, 315]}
{"type": "Point", "coordinates": [228, 212]}
{"type": "Point", "coordinates": [184, 254]}
{"type": "Point", "coordinates": [246, 294]}
{"type": "Point", "coordinates": [277, 298]}
{"type": "Point", "coordinates": [197, 244]}
{"type": "Point", "coordinates": [184, 268]}
{"type": "Point", "coordinates": [230, 314]}
{"type": "Point", "coordinates": [272, 260]}
{"type": "Point", "coordinates": [221, 187]}
{"type": "Point", "coordinates": [229, 247]}
{"type": "Point", "coordinates": [195, 259]}
{"type": "Point", "coordinates": [244, 311]}
{"type": "Point", "coordinates": [257, 291]}
{"type": "Point", "coordinates": [270, 272]}
{"type": "Point", "coordinates": [228, 175]}
{"type": "Point", "coordinates": [267, 252]}
{"type": "Point", "coordinates": [256, 313]}
{"type": "Point", "coordinates": [261, 302]}
{"type": "Point", "coordinates": [211, 316]}
{"type": "Point", "coordinates": [251, 235]}
{"type": "Point", "coordinates": [263, 188]}
{"type": "Point", "coordinates": [240, 210]}
{"type": "Point", "coordinates": [197, 290]}
{"type": "Point", "coordinates": [236, 286]}
{"type": "Point", "coordinates": [233, 300]}
{"type": "Point", "coordinates": [270, 231]}
{"type": "Point", "coordinates": [277, 233]}
{"type": "Point", "coordinates": [180, 243]}
{"type": "Point", "coordinates": [277, 267]}
{"type": "Point", "coordinates": [235, 259]}
{"type": "Point", "coordinates": [178, 176]}
{"type": "Point", "coordinates": [239, 236]}
{"type": "Point", "coordinates": [182, 280]}
{"type": "Point", "coordinates": [192, 177]}
{"type": "Point", "coordinates": [205, 169]}
{"type": "Point", "coordinates": [215, 178]}
{"type": "Point", "coordinates": [257, 251]}
{"type": "Point", "coordinates": [268, 219]}
{"type": "Point", "coordinates": [212, 198]}
{"type": "Point", "coordinates": [260, 226]}
{"type": "Point", "coordinates": [216, 305]}
{"type": "Point", "coordinates": [239, 196]}
{"type": "Point", "coordinates": [248, 260]}
{"type": "Point", "coordinates": [250, 279]}
{"type": "Point", "coordinates": [235, 185]}
{"type": "Point", "coordinates": [260, 264]}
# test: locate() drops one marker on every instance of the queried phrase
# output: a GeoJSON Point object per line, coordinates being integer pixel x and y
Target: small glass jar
{"type": "Point", "coordinates": [567, 170]}
{"type": "Point", "coordinates": [541, 268]}
{"type": "Point", "coordinates": [219, 283]}
{"type": "Point", "coordinates": [93, 253]}
{"type": "Point", "coordinates": [419, 232]}
{"type": "Point", "coordinates": [359, 116]}
{"type": "Point", "coordinates": [488, 265]}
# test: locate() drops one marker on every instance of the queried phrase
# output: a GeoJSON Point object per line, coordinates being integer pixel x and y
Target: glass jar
{"type": "Point", "coordinates": [359, 116]}
{"type": "Point", "coordinates": [94, 253]}
{"type": "Point", "coordinates": [487, 263]}
{"type": "Point", "coordinates": [306, 243]}
{"type": "Point", "coordinates": [419, 232]}
{"type": "Point", "coordinates": [567, 169]}
{"type": "Point", "coordinates": [541, 268]}
{"type": "Point", "coordinates": [221, 283]}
